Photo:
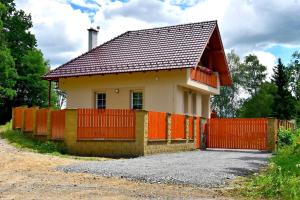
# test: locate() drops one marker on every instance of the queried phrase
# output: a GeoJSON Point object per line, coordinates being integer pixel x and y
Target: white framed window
{"type": "Point", "coordinates": [136, 100]}
{"type": "Point", "coordinates": [101, 100]}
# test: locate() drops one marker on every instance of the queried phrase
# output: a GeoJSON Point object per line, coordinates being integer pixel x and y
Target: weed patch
{"type": "Point", "coordinates": [24, 141]}
{"type": "Point", "coordinates": [282, 178]}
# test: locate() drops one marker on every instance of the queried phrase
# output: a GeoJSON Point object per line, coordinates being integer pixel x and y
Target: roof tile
{"type": "Point", "coordinates": [143, 50]}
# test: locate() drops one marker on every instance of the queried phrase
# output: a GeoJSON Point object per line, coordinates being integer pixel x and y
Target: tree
{"type": "Point", "coordinates": [284, 103]}
{"type": "Point", "coordinates": [261, 104]}
{"type": "Point", "coordinates": [294, 79]}
{"type": "Point", "coordinates": [8, 73]}
{"type": "Point", "coordinates": [294, 68]}
{"type": "Point", "coordinates": [17, 25]}
{"type": "Point", "coordinates": [228, 102]}
{"type": "Point", "coordinates": [31, 90]}
{"type": "Point", "coordinates": [20, 54]}
{"type": "Point", "coordinates": [253, 74]}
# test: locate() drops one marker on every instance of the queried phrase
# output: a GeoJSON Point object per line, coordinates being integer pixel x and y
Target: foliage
{"type": "Point", "coordinates": [24, 141]}
{"type": "Point", "coordinates": [281, 180]}
{"type": "Point", "coordinates": [228, 102]}
{"type": "Point", "coordinates": [17, 25]}
{"type": "Point", "coordinates": [286, 137]}
{"type": "Point", "coordinates": [8, 75]}
{"type": "Point", "coordinates": [294, 68]}
{"type": "Point", "coordinates": [261, 104]}
{"type": "Point", "coordinates": [253, 74]}
{"type": "Point", "coordinates": [294, 82]}
{"type": "Point", "coordinates": [284, 103]}
{"type": "Point", "coordinates": [21, 63]}
{"type": "Point", "coordinates": [31, 90]}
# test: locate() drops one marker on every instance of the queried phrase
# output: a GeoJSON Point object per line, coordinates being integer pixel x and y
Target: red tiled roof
{"type": "Point", "coordinates": [163, 48]}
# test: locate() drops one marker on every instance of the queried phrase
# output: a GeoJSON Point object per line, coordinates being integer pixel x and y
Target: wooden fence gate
{"type": "Point", "coordinates": [237, 133]}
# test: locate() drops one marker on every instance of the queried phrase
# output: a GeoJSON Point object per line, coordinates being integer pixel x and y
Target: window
{"type": "Point", "coordinates": [100, 100]}
{"type": "Point", "coordinates": [136, 100]}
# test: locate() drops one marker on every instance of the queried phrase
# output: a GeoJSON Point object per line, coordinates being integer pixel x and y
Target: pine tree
{"type": "Point", "coordinates": [284, 106]}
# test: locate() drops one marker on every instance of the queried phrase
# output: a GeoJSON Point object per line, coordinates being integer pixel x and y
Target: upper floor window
{"type": "Point", "coordinates": [136, 100]}
{"type": "Point", "coordinates": [100, 100]}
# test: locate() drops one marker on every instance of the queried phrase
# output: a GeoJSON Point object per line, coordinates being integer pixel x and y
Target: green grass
{"type": "Point", "coordinates": [281, 180]}
{"type": "Point", "coordinates": [23, 141]}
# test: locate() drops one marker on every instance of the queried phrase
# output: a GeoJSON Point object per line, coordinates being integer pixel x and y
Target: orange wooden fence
{"type": "Point", "coordinates": [106, 124]}
{"type": "Point", "coordinates": [237, 133]}
{"type": "Point", "coordinates": [57, 124]}
{"type": "Point", "coordinates": [18, 117]}
{"type": "Point", "coordinates": [177, 126]}
{"type": "Point", "coordinates": [41, 121]}
{"type": "Point", "coordinates": [29, 119]}
{"type": "Point", "coordinates": [285, 124]}
{"type": "Point", "coordinates": [157, 125]}
{"type": "Point", "coordinates": [203, 77]}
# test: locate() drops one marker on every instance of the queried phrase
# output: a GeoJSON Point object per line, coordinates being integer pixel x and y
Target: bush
{"type": "Point", "coordinates": [286, 137]}
{"type": "Point", "coordinates": [282, 179]}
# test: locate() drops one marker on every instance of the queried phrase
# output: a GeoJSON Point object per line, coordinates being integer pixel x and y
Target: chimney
{"type": "Point", "coordinates": [93, 33]}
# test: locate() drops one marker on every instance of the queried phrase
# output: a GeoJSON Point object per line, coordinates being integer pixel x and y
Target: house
{"type": "Point", "coordinates": [173, 69]}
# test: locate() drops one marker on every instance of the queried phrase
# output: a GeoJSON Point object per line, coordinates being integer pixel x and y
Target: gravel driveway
{"type": "Point", "coordinates": [210, 168]}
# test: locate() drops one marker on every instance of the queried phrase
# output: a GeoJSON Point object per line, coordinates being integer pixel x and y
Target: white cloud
{"type": "Point", "coordinates": [205, 11]}
{"type": "Point", "coordinates": [246, 25]}
{"type": "Point", "coordinates": [60, 31]}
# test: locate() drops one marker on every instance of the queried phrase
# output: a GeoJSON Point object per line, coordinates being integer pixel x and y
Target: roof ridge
{"type": "Point", "coordinates": [170, 26]}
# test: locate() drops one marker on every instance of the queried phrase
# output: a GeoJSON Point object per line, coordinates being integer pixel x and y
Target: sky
{"type": "Point", "coordinates": [267, 28]}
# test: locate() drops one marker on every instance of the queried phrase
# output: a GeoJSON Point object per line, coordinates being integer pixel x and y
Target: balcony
{"type": "Point", "coordinates": [205, 76]}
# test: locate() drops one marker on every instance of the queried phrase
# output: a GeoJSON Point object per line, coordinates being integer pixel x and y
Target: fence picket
{"type": "Point", "coordinates": [237, 133]}
{"type": "Point", "coordinates": [106, 124]}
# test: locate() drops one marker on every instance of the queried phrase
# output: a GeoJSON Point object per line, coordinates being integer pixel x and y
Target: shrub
{"type": "Point", "coordinates": [286, 137]}
{"type": "Point", "coordinates": [282, 178]}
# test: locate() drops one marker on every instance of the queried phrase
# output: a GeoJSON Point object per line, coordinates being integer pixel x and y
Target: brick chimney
{"type": "Point", "coordinates": [93, 33]}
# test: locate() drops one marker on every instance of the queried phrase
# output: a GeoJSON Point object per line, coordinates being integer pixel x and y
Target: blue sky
{"type": "Point", "coordinates": [285, 53]}
{"type": "Point", "coordinates": [246, 25]}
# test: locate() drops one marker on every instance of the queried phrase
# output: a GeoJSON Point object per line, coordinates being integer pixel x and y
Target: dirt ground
{"type": "Point", "coordinates": [28, 175]}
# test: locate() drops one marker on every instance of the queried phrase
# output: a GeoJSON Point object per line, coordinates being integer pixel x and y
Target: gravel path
{"type": "Point", "coordinates": [210, 168]}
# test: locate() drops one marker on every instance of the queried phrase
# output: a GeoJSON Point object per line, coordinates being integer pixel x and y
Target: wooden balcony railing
{"type": "Point", "coordinates": [203, 75]}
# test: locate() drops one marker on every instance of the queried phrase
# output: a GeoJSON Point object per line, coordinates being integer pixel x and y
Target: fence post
{"type": "Point", "coordinates": [49, 126]}
{"type": "Point", "coordinates": [203, 133]}
{"type": "Point", "coordinates": [34, 120]}
{"type": "Point", "coordinates": [70, 132]}
{"type": "Point", "coordinates": [169, 125]}
{"type": "Point", "coordinates": [187, 128]}
{"type": "Point", "coordinates": [23, 120]}
{"type": "Point", "coordinates": [141, 130]}
{"type": "Point", "coordinates": [272, 134]}
{"type": "Point", "coordinates": [13, 118]}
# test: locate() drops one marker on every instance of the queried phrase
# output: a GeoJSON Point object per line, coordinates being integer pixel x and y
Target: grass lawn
{"type": "Point", "coordinates": [20, 140]}
{"type": "Point", "coordinates": [281, 179]}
